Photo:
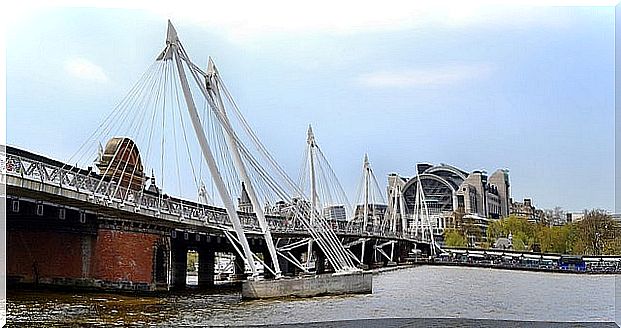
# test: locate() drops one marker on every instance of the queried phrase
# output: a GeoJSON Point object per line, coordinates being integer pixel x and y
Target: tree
{"type": "Point", "coordinates": [613, 246]}
{"type": "Point", "coordinates": [554, 239]}
{"type": "Point", "coordinates": [464, 224]}
{"type": "Point", "coordinates": [454, 238]}
{"type": "Point", "coordinates": [495, 230]}
{"type": "Point", "coordinates": [597, 234]}
{"type": "Point", "coordinates": [612, 237]}
{"type": "Point", "coordinates": [523, 232]}
{"type": "Point", "coordinates": [192, 260]}
{"type": "Point", "coordinates": [548, 217]}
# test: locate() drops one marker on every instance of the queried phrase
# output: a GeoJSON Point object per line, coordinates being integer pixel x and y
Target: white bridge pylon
{"type": "Point", "coordinates": [369, 212]}
{"type": "Point", "coordinates": [320, 184]}
{"type": "Point", "coordinates": [152, 118]}
{"type": "Point", "coordinates": [249, 168]}
{"type": "Point", "coordinates": [422, 218]}
{"type": "Point", "coordinates": [172, 51]}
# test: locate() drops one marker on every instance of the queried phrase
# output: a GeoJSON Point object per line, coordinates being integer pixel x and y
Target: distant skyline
{"type": "Point", "coordinates": [530, 89]}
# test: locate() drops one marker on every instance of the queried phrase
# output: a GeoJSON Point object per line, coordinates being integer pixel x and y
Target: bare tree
{"type": "Point", "coordinates": [595, 230]}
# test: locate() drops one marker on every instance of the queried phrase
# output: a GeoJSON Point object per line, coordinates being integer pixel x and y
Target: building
{"type": "Point", "coordinates": [120, 162]}
{"type": "Point", "coordinates": [478, 196]}
{"type": "Point", "coordinates": [504, 243]}
{"type": "Point", "coordinates": [527, 210]}
{"type": "Point", "coordinates": [244, 203]}
{"type": "Point", "coordinates": [335, 212]}
{"type": "Point", "coordinates": [574, 216]}
{"type": "Point", "coordinates": [448, 189]}
{"type": "Point", "coordinates": [376, 213]}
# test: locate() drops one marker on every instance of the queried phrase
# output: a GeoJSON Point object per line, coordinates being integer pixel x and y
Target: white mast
{"type": "Point", "coordinates": [404, 221]}
{"type": "Point", "coordinates": [172, 51]}
{"type": "Point", "coordinates": [366, 193]}
{"type": "Point", "coordinates": [398, 203]}
{"type": "Point", "coordinates": [241, 168]}
{"type": "Point", "coordinates": [417, 209]}
{"type": "Point", "coordinates": [393, 210]}
{"type": "Point", "coordinates": [311, 156]}
{"type": "Point", "coordinates": [423, 205]}
{"type": "Point", "coordinates": [365, 218]}
{"type": "Point", "coordinates": [393, 217]}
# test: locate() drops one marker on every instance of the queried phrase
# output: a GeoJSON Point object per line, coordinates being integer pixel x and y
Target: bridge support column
{"type": "Point", "coordinates": [239, 269]}
{"type": "Point", "coordinates": [206, 263]}
{"type": "Point", "coordinates": [378, 259]}
{"type": "Point", "coordinates": [368, 256]}
{"type": "Point", "coordinates": [286, 267]}
{"type": "Point", "coordinates": [179, 266]}
{"type": "Point", "coordinates": [320, 264]}
{"type": "Point", "coordinates": [299, 254]}
{"type": "Point", "coordinates": [402, 251]}
{"type": "Point", "coordinates": [267, 259]}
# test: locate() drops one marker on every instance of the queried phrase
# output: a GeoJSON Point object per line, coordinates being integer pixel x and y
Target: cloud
{"type": "Point", "coordinates": [84, 69]}
{"type": "Point", "coordinates": [433, 76]}
{"type": "Point", "coordinates": [244, 20]}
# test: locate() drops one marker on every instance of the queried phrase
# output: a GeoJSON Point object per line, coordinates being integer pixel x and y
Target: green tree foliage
{"type": "Point", "coordinates": [613, 246]}
{"type": "Point", "coordinates": [555, 239]}
{"type": "Point", "coordinates": [464, 225]}
{"type": "Point", "coordinates": [454, 238]}
{"type": "Point", "coordinates": [192, 261]}
{"type": "Point", "coordinates": [523, 232]}
{"type": "Point", "coordinates": [596, 234]}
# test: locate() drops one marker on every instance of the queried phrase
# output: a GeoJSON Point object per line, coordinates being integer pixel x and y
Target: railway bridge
{"type": "Point", "coordinates": [61, 232]}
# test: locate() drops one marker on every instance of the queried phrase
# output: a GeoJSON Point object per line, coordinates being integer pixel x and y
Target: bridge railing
{"type": "Point", "coordinates": [100, 191]}
{"type": "Point", "coordinates": [91, 187]}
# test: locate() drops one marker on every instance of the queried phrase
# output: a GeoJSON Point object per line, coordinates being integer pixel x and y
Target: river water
{"type": "Point", "coordinates": [425, 292]}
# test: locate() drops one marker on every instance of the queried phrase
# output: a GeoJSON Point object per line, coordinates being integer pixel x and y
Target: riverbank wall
{"type": "Point", "coordinates": [513, 267]}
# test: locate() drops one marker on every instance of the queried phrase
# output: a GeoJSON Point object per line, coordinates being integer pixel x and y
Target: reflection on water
{"type": "Point", "coordinates": [416, 292]}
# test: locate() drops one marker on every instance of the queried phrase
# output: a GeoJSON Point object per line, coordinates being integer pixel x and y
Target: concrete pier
{"type": "Point", "coordinates": [309, 286]}
{"type": "Point", "coordinates": [180, 267]}
{"type": "Point", "coordinates": [206, 259]}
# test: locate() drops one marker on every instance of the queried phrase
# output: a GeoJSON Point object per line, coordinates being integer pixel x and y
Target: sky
{"type": "Point", "coordinates": [478, 86]}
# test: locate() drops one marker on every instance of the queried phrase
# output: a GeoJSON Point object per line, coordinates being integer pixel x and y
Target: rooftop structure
{"type": "Point", "coordinates": [527, 210]}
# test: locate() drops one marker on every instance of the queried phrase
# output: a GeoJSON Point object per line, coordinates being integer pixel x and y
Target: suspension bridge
{"type": "Point", "coordinates": [182, 169]}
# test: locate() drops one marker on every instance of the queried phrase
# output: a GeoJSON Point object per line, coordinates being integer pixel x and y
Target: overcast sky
{"type": "Point", "coordinates": [529, 89]}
